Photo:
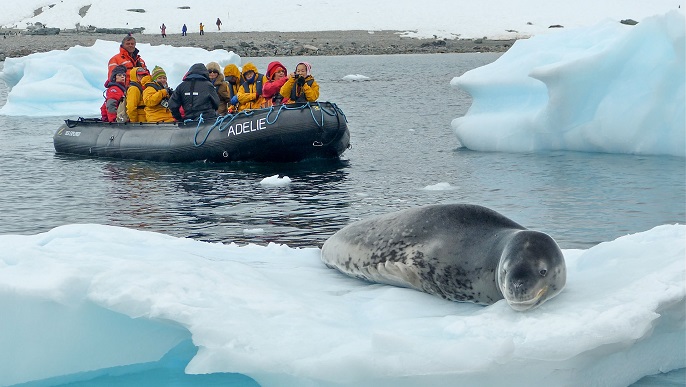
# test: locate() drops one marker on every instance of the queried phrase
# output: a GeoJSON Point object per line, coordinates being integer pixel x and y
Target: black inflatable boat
{"type": "Point", "coordinates": [285, 133]}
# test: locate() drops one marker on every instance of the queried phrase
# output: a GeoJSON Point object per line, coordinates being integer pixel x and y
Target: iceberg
{"type": "Point", "coordinates": [84, 297]}
{"type": "Point", "coordinates": [611, 88]}
{"type": "Point", "coordinates": [71, 82]}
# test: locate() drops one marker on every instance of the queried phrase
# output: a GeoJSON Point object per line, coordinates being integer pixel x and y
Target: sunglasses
{"type": "Point", "coordinates": [214, 71]}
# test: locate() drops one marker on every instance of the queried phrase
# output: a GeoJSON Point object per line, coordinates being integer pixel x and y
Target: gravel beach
{"type": "Point", "coordinates": [260, 44]}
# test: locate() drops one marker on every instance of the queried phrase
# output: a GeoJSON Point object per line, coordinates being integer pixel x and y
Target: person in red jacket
{"type": "Point", "coordinates": [114, 95]}
{"type": "Point", "coordinates": [276, 78]}
{"type": "Point", "coordinates": [127, 57]}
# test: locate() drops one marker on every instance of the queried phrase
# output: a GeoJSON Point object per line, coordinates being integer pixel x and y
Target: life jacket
{"type": "Point", "coordinates": [138, 85]}
{"type": "Point", "coordinates": [165, 101]}
{"type": "Point", "coordinates": [154, 85]}
{"type": "Point", "coordinates": [127, 60]}
{"type": "Point", "coordinates": [299, 97]}
{"type": "Point", "coordinates": [140, 88]}
{"type": "Point", "coordinates": [258, 85]}
{"type": "Point", "coordinates": [120, 86]}
{"type": "Point", "coordinates": [103, 108]}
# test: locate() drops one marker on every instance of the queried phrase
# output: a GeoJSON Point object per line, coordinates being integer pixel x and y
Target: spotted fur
{"type": "Point", "coordinates": [459, 252]}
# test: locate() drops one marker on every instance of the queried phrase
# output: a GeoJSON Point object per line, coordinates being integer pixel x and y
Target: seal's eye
{"type": "Point", "coordinates": [543, 272]}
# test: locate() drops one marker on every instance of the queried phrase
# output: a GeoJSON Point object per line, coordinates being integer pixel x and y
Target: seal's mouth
{"type": "Point", "coordinates": [521, 306]}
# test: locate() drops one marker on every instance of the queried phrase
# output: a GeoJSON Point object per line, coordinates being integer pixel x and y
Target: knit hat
{"type": "Point", "coordinates": [231, 70]}
{"type": "Point", "coordinates": [157, 72]}
{"type": "Point", "coordinates": [120, 69]}
{"type": "Point", "coordinates": [307, 66]}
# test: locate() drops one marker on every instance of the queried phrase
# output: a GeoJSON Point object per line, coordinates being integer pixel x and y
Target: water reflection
{"type": "Point", "coordinates": [218, 203]}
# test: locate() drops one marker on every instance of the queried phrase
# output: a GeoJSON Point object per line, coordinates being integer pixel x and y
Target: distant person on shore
{"type": "Point", "coordinates": [135, 107]}
{"type": "Point", "coordinates": [164, 30]}
{"type": "Point", "coordinates": [184, 30]}
{"type": "Point", "coordinates": [202, 29]}
{"type": "Point", "coordinates": [219, 25]}
{"type": "Point", "coordinates": [196, 95]}
{"type": "Point", "coordinates": [301, 86]}
{"type": "Point", "coordinates": [217, 78]}
{"type": "Point", "coordinates": [276, 78]}
{"type": "Point", "coordinates": [250, 92]}
{"type": "Point", "coordinates": [156, 97]}
{"type": "Point", "coordinates": [127, 57]}
{"type": "Point", "coordinates": [232, 75]}
{"type": "Point", "coordinates": [114, 95]}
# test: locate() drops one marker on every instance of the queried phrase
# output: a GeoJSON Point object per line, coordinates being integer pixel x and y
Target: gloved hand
{"type": "Point", "coordinates": [234, 100]}
{"type": "Point", "coordinates": [301, 81]}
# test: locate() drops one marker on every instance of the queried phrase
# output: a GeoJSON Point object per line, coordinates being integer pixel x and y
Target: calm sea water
{"type": "Point", "coordinates": [401, 141]}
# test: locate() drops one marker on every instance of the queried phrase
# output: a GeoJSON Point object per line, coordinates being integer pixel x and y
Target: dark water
{"type": "Point", "coordinates": [402, 142]}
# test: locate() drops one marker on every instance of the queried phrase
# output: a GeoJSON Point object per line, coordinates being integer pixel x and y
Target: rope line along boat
{"type": "Point", "coordinates": [285, 133]}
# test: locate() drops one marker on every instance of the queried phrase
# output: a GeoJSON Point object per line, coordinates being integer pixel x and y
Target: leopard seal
{"type": "Point", "coordinates": [460, 252]}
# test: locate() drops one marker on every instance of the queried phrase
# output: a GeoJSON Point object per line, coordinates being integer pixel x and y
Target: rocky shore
{"type": "Point", "coordinates": [260, 44]}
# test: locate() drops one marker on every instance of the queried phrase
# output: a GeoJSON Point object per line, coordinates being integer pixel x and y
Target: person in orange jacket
{"type": "Point", "coordinates": [127, 57]}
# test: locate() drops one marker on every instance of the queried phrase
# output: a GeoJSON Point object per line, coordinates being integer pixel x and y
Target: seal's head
{"type": "Point", "coordinates": [532, 270]}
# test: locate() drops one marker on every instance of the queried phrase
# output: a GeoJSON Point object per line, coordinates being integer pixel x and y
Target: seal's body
{"type": "Point", "coordinates": [460, 252]}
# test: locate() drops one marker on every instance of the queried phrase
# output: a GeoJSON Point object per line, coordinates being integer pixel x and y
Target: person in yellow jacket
{"type": "Point", "coordinates": [301, 86]}
{"type": "Point", "coordinates": [250, 93]}
{"type": "Point", "coordinates": [135, 107]}
{"type": "Point", "coordinates": [232, 75]}
{"type": "Point", "coordinates": [156, 97]}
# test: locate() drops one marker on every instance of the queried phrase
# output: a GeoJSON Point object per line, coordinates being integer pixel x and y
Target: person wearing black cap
{"type": "Point", "coordinates": [116, 90]}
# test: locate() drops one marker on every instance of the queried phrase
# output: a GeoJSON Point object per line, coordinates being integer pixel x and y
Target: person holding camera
{"type": "Point", "coordinates": [156, 97]}
{"type": "Point", "coordinates": [301, 86]}
{"type": "Point", "coordinates": [196, 95]}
